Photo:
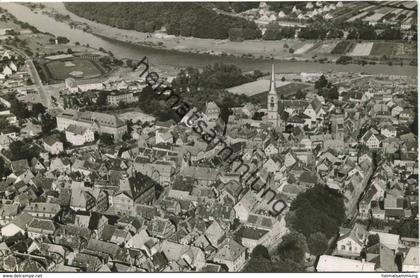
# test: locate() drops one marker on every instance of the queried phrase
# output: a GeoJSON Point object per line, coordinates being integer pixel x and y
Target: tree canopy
{"type": "Point", "coordinates": [4, 170]}
{"type": "Point", "coordinates": [318, 209]}
{"type": "Point", "coordinates": [317, 243]}
{"type": "Point", "coordinates": [293, 246]}
{"type": "Point", "coordinates": [288, 257]}
{"type": "Point", "coordinates": [22, 150]}
{"type": "Point", "coordinates": [406, 228]}
{"type": "Point", "coordinates": [275, 32]}
{"type": "Point", "coordinates": [260, 252]}
{"type": "Point", "coordinates": [186, 19]}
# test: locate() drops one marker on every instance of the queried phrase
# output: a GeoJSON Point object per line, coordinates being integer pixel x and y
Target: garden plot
{"type": "Point", "coordinates": [304, 48]}
{"type": "Point", "coordinates": [362, 49]}
{"type": "Point", "coordinates": [374, 18]}
{"type": "Point", "coordinates": [325, 48]}
{"type": "Point", "coordinates": [405, 50]}
{"type": "Point", "coordinates": [357, 17]}
{"type": "Point", "coordinates": [382, 48]}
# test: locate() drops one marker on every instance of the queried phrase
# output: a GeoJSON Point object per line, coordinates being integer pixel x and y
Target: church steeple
{"type": "Point", "coordinates": [272, 81]}
{"type": "Point", "coordinates": [272, 101]}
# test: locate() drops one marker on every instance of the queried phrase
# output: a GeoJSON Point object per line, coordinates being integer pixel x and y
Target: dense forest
{"type": "Point", "coordinates": [186, 19]}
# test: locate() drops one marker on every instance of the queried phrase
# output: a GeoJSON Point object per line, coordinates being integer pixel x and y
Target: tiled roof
{"type": "Point", "coordinates": [230, 251]}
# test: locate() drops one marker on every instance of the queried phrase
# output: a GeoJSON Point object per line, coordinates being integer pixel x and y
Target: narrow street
{"type": "Point", "coordinates": [44, 96]}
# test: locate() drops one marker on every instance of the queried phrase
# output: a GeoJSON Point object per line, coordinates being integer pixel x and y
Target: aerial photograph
{"type": "Point", "coordinates": [270, 137]}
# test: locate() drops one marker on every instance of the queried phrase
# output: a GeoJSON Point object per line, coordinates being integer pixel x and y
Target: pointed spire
{"type": "Point", "coordinates": [273, 80]}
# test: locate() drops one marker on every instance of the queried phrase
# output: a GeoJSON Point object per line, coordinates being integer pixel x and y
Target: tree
{"type": "Point", "coordinates": [332, 93]}
{"type": "Point", "coordinates": [106, 139]}
{"type": "Point", "coordinates": [313, 32]}
{"type": "Point", "coordinates": [318, 209]}
{"type": "Point", "coordinates": [126, 136]}
{"type": "Point", "coordinates": [235, 224]}
{"type": "Point", "coordinates": [300, 94]}
{"type": "Point", "coordinates": [102, 98]}
{"type": "Point", "coordinates": [261, 264]}
{"type": "Point", "coordinates": [414, 124]}
{"type": "Point", "coordinates": [293, 246]}
{"type": "Point", "coordinates": [22, 150]}
{"type": "Point", "coordinates": [236, 34]}
{"type": "Point", "coordinates": [258, 116]}
{"type": "Point", "coordinates": [19, 109]}
{"type": "Point", "coordinates": [335, 34]}
{"type": "Point", "coordinates": [4, 170]}
{"type": "Point", "coordinates": [48, 123]}
{"type": "Point", "coordinates": [372, 240]}
{"type": "Point", "coordinates": [37, 109]}
{"type": "Point", "coordinates": [62, 40]}
{"type": "Point", "coordinates": [321, 82]}
{"type": "Point", "coordinates": [317, 243]}
{"type": "Point", "coordinates": [62, 137]}
{"type": "Point", "coordinates": [406, 227]}
{"type": "Point", "coordinates": [260, 252]}
{"type": "Point", "coordinates": [186, 19]}
{"type": "Point", "coordinates": [4, 123]}
{"type": "Point", "coordinates": [391, 34]}
{"type": "Point", "coordinates": [272, 32]}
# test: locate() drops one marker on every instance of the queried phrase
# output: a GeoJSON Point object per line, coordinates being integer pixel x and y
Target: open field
{"type": "Point", "coordinates": [40, 44]}
{"type": "Point", "coordinates": [255, 87]}
{"type": "Point", "coordinates": [405, 50]}
{"type": "Point", "coordinates": [324, 48]}
{"type": "Point", "coordinates": [60, 70]}
{"type": "Point", "coordinates": [342, 47]}
{"type": "Point", "coordinates": [304, 48]}
{"type": "Point", "coordinates": [381, 48]}
{"type": "Point", "coordinates": [362, 49]}
{"type": "Point", "coordinates": [284, 91]}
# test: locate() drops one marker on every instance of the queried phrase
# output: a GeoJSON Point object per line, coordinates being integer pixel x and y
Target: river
{"type": "Point", "coordinates": [121, 49]}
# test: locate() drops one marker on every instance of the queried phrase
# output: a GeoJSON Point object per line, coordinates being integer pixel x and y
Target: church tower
{"type": "Point", "coordinates": [273, 102]}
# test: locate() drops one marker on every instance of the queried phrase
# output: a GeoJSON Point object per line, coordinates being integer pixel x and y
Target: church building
{"type": "Point", "coordinates": [273, 116]}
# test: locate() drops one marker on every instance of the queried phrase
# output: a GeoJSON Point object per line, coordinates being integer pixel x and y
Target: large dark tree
{"type": "Point", "coordinates": [261, 264]}
{"type": "Point", "coordinates": [106, 139]}
{"type": "Point", "coordinates": [317, 243]}
{"type": "Point", "coordinates": [19, 109]}
{"type": "Point", "coordinates": [4, 170]}
{"type": "Point", "coordinates": [293, 246]}
{"type": "Point", "coordinates": [260, 251]}
{"type": "Point", "coordinates": [37, 109]}
{"type": "Point", "coordinates": [48, 123]}
{"type": "Point", "coordinates": [372, 240]}
{"type": "Point", "coordinates": [22, 150]}
{"type": "Point", "coordinates": [318, 209]}
{"type": "Point", "coordinates": [406, 227]}
{"type": "Point", "coordinates": [321, 82]}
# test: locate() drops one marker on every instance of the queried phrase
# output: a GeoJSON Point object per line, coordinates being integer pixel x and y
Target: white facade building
{"type": "Point", "coordinates": [79, 135]}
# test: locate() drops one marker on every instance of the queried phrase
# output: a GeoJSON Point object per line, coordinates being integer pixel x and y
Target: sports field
{"type": "Point", "coordinates": [77, 67]}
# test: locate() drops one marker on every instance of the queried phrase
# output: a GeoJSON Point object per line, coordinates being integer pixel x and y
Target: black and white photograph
{"type": "Point", "coordinates": [209, 137]}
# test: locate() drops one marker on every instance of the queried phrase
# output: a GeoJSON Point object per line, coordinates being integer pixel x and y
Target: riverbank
{"type": "Point", "coordinates": [282, 50]}
{"type": "Point", "coordinates": [278, 50]}
{"type": "Point", "coordinates": [159, 57]}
